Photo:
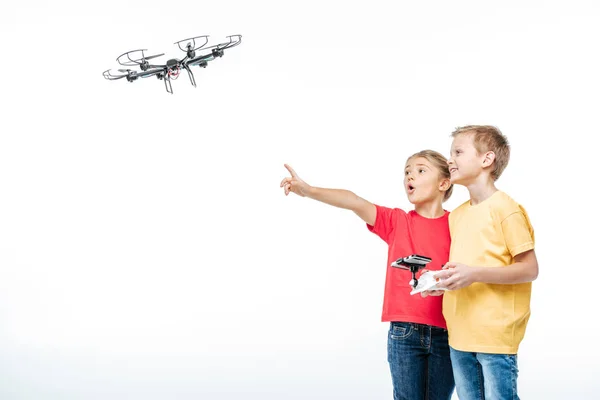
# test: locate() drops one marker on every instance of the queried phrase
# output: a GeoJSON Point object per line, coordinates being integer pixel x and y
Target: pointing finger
{"type": "Point", "coordinates": [291, 170]}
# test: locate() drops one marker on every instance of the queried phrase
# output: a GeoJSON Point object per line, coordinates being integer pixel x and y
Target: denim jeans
{"type": "Point", "coordinates": [419, 359]}
{"type": "Point", "coordinates": [486, 376]}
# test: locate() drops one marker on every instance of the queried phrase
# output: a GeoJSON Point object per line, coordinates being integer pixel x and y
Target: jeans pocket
{"type": "Point", "coordinates": [400, 330]}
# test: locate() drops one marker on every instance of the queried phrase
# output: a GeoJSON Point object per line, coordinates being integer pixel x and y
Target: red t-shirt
{"type": "Point", "coordinates": [406, 234]}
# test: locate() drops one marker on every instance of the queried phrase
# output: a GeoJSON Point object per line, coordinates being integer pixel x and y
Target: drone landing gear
{"type": "Point", "coordinates": [168, 84]}
{"type": "Point", "coordinates": [190, 74]}
{"type": "Point", "coordinates": [167, 80]}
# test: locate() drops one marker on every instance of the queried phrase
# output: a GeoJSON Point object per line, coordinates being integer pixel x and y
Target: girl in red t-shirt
{"type": "Point", "coordinates": [418, 351]}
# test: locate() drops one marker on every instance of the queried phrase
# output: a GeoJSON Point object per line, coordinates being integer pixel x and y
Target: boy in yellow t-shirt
{"type": "Point", "coordinates": [492, 264]}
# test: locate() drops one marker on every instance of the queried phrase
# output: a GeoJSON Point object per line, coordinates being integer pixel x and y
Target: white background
{"type": "Point", "coordinates": [147, 251]}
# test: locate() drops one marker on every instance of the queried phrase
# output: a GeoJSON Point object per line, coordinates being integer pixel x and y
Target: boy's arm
{"type": "Point", "coordinates": [519, 239]}
{"type": "Point", "coordinates": [336, 197]}
{"type": "Point", "coordinates": [524, 269]}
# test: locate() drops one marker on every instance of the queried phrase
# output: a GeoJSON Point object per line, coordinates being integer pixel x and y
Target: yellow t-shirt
{"type": "Point", "coordinates": [488, 318]}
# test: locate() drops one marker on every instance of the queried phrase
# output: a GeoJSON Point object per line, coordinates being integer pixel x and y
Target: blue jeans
{"type": "Point", "coordinates": [485, 376]}
{"type": "Point", "coordinates": [419, 359]}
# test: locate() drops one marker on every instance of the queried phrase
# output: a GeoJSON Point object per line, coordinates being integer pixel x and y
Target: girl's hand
{"type": "Point", "coordinates": [294, 184]}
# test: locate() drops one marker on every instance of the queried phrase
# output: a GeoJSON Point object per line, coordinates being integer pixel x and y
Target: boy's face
{"type": "Point", "coordinates": [465, 163]}
{"type": "Point", "coordinates": [421, 180]}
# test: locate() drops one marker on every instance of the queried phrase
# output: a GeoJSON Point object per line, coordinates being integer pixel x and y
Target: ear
{"type": "Point", "coordinates": [488, 159]}
{"type": "Point", "coordinates": [444, 184]}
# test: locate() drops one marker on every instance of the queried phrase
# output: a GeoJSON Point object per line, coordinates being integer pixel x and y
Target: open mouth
{"type": "Point", "coordinates": [453, 170]}
{"type": "Point", "coordinates": [410, 188]}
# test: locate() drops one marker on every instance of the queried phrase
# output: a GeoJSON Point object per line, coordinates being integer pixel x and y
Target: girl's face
{"type": "Point", "coordinates": [422, 181]}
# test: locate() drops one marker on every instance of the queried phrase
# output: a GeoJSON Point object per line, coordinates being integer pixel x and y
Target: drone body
{"type": "Point", "coordinates": [198, 55]}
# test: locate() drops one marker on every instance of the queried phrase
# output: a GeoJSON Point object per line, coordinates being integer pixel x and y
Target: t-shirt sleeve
{"type": "Point", "coordinates": [518, 232]}
{"type": "Point", "coordinates": [385, 222]}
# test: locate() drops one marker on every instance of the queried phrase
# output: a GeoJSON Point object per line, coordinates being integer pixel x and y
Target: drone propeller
{"type": "Point", "coordinates": [139, 61]}
{"type": "Point", "coordinates": [154, 56]}
{"type": "Point", "coordinates": [111, 77]}
{"type": "Point", "coordinates": [191, 46]}
{"type": "Point", "coordinates": [234, 40]}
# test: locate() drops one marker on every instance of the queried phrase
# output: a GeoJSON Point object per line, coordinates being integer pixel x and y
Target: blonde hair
{"type": "Point", "coordinates": [488, 138]}
{"type": "Point", "coordinates": [440, 163]}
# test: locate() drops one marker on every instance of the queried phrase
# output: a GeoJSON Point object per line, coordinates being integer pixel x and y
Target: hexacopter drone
{"type": "Point", "coordinates": [195, 55]}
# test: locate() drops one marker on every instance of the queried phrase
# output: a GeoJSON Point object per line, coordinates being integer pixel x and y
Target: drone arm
{"type": "Point", "coordinates": [199, 59]}
{"type": "Point", "coordinates": [154, 66]}
{"type": "Point", "coordinates": [150, 72]}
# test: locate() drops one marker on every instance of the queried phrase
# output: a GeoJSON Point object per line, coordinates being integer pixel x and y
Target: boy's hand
{"type": "Point", "coordinates": [294, 183]}
{"type": "Point", "coordinates": [456, 276]}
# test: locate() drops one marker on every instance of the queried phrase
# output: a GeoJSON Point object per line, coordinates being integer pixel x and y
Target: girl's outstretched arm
{"type": "Point", "coordinates": [336, 197]}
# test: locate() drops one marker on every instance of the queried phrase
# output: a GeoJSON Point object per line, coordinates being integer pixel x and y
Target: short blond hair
{"type": "Point", "coordinates": [440, 163]}
{"type": "Point", "coordinates": [488, 138]}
